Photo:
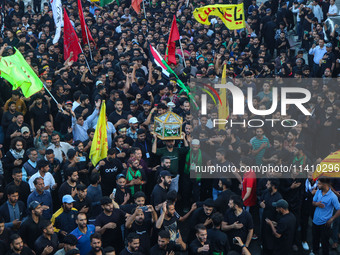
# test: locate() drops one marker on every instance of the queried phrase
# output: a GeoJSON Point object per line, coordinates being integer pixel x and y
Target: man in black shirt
{"type": "Point", "coordinates": [96, 244]}
{"type": "Point", "coordinates": [159, 192]}
{"type": "Point", "coordinates": [22, 187]}
{"type": "Point", "coordinates": [118, 117]}
{"type": "Point", "coordinates": [39, 113]}
{"type": "Point", "coordinates": [201, 245]}
{"type": "Point", "coordinates": [109, 168]}
{"type": "Point", "coordinates": [9, 117]}
{"type": "Point", "coordinates": [284, 229]}
{"type": "Point", "coordinates": [138, 223]}
{"type": "Point", "coordinates": [238, 222]}
{"type": "Point", "coordinates": [69, 186]}
{"type": "Point", "coordinates": [164, 246]}
{"type": "Point", "coordinates": [48, 242]}
{"type": "Point", "coordinates": [218, 239]}
{"type": "Point", "coordinates": [17, 246]}
{"type": "Point", "coordinates": [203, 214]}
{"type": "Point", "coordinates": [269, 196]}
{"type": "Point", "coordinates": [221, 203]}
{"type": "Point", "coordinates": [82, 202]}
{"type": "Point", "coordinates": [84, 109]}
{"type": "Point", "coordinates": [30, 229]}
{"type": "Point", "coordinates": [132, 245]}
{"type": "Point", "coordinates": [109, 222]}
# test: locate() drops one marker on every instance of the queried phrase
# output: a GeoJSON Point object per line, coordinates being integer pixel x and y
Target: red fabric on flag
{"type": "Point", "coordinates": [83, 25]}
{"type": "Point", "coordinates": [136, 5]}
{"type": "Point", "coordinates": [170, 55]}
{"type": "Point", "coordinates": [71, 42]}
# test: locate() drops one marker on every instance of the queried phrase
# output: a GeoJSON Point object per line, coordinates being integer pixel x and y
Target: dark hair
{"type": "Point", "coordinates": [49, 152]}
{"type": "Point", "coordinates": [278, 138]}
{"type": "Point", "coordinates": [109, 249]}
{"type": "Point", "coordinates": [73, 252]}
{"type": "Point", "coordinates": [14, 237]}
{"type": "Point", "coordinates": [324, 180]}
{"type": "Point", "coordinates": [81, 213]}
{"type": "Point", "coordinates": [164, 234]}
{"type": "Point", "coordinates": [18, 139]}
{"type": "Point", "coordinates": [96, 235]}
{"type": "Point", "coordinates": [112, 151]}
{"type": "Point", "coordinates": [90, 130]}
{"type": "Point", "coordinates": [16, 171]}
{"type": "Point", "coordinates": [2, 220]}
{"type": "Point", "coordinates": [275, 182]}
{"type": "Point", "coordinates": [217, 219]}
{"type": "Point", "coordinates": [131, 237]}
{"type": "Point", "coordinates": [171, 196]}
{"type": "Point", "coordinates": [237, 200]}
{"type": "Point", "coordinates": [44, 224]}
{"type": "Point", "coordinates": [139, 194]}
{"type": "Point", "coordinates": [164, 158]}
{"type": "Point", "coordinates": [12, 189]}
{"type": "Point", "coordinates": [81, 187]}
{"type": "Point", "coordinates": [118, 137]}
{"type": "Point", "coordinates": [70, 171]}
{"type": "Point", "coordinates": [35, 182]}
{"type": "Point", "coordinates": [222, 151]}
{"type": "Point", "coordinates": [247, 160]}
{"type": "Point", "coordinates": [94, 178]}
{"type": "Point", "coordinates": [199, 227]}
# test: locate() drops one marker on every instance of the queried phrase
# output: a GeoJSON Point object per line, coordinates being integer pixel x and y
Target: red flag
{"type": "Point", "coordinates": [171, 48]}
{"type": "Point", "coordinates": [71, 42]}
{"type": "Point", "coordinates": [84, 26]}
{"type": "Point", "coordinates": [136, 5]}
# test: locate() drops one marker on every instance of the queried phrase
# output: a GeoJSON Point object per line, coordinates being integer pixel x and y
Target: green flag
{"type": "Point", "coordinates": [106, 2]}
{"type": "Point", "coordinates": [17, 71]}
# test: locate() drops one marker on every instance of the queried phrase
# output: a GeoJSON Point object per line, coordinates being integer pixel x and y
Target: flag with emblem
{"type": "Point", "coordinates": [19, 74]}
{"type": "Point", "coordinates": [99, 145]}
{"type": "Point", "coordinates": [329, 167]}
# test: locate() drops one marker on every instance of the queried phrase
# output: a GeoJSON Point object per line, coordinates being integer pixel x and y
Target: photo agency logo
{"type": "Point", "coordinates": [235, 101]}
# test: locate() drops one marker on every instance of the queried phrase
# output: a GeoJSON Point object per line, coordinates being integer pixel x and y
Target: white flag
{"type": "Point", "coordinates": [57, 10]}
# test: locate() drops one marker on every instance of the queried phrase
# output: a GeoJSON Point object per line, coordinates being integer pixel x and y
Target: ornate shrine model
{"type": "Point", "coordinates": [168, 126]}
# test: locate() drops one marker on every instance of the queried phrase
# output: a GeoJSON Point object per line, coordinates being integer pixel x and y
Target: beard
{"type": "Point", "coordinates": [166, 184]}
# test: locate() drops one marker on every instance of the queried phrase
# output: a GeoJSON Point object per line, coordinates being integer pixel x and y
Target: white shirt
{"type": "Point", "coordinates": [318, 12]}
{"type": "Point", "coordinates": [318, 53]}
{"type": "Point", "coordinates": [48, 180]}
{"type": "Point", "coordinates": [63, 148]}
{"type": "Point", "coordinates": [333, 9]}
{"type": "Point", "coordinates": [75, 105]}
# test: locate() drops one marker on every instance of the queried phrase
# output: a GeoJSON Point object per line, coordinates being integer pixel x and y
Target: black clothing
{"type": "Point", "coordinates": [108, 172]}
{"type": "Point", "coordinates": [172, 246]}
{"type": "Point", "coordinates": [30, 231]}
{"type": "Point", "coordinates": [218, 240]}
{"type": "Point", "coordinates": [42, 242]}
{"type": "Point", "coordinates": [195, 245]}
{"type": "Point", "coordinates": [286, 228]}
{"type": "Point", "coordinates": [158, 195]}
{"type": "Point", "coordinates": [112, 237]}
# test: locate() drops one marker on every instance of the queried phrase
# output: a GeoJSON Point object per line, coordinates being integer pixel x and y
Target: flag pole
{"type": "Point", "coordinates": [88, 41]}
{"type": "Point", "coordinates": [144, 9]}
{"type": "Point", "coordinates": [187, 3]}
{"type": "Point", "coordinates": [87, 63]}
{"type": "Point", "coordinates": [180, 44]}
{"type": "Point", "coordinates": [55, 100]}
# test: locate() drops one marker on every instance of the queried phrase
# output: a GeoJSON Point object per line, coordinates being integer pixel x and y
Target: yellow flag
{"type": "Point", "coordinates": [223, 110]}
{"type": "Point", "coordinates": [232, 15]}
{"type": "Point", "coordinates": [94, 1]}
{"type": "Point", "coordinates": [99, 145]}
{"type": "Point", "coordinates": [329, 167]}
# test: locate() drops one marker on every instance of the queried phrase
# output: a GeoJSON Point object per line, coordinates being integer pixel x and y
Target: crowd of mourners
{"type": "Point", "coordinates": [140, 199]}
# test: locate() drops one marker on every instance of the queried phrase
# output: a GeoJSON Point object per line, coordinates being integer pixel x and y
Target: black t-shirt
{"type": "Point", "coordinates": [30, 231]}
{"type": "Point", "coordinates": [221, 203]}
{"type": "Point", "coordinates": [172, 246]}
{"type": "Point", "coordinates": [25, 251]}
{"type": "Point", "coordinates": [40, 116]}
{"type": "Point", "coordinates": [244, 218]}
{"type": "Point", "coordinates": [65, 189]}
{"type": "Point", "coordinates": [42, 242]}
{"type": "Point", "coordinates": [196, 244]}
{"type": "Point", "coordinates": [143, 231]}
{"type": "Point", "coordinates": [112, 236]}
{"type": "Point", "coordinates": [218, 240]}
{"type": "Point", "coordinates": [126, 252]}
{"type": "Point", "coordinates": [199, 217]}
{"type": "Point", "coordinates": [158, 195]}
{"type": "Point", "coordinates": [108, 172]}
{"type": "Point", "coordinates": [286, 228]}
{"type": "Point", "coordinates": [119, 197]}
{"type": "Point", "coordinates": [171, 226]}
{"type": "Point", "coordinates": [114, 117]}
